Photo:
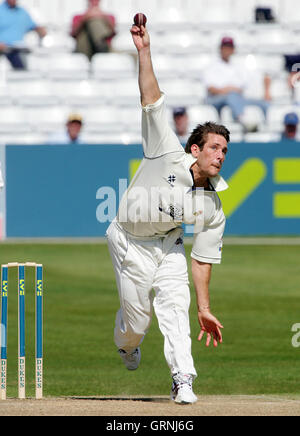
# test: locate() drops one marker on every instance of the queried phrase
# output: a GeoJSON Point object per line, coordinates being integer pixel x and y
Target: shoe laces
{"type": "Point", "coordinates": [130, 356]}
{"type": "Point", "coordinates": [180, 380]}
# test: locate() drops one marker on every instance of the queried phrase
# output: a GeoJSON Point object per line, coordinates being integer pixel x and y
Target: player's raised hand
{"type": "Point", "coordinates": [140, 37]}
{"type": "Point", "coordinates": [210, 325]}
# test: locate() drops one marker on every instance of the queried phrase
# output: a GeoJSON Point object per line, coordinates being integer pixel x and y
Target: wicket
{"type": "Point", "coordinates": [21, 328]}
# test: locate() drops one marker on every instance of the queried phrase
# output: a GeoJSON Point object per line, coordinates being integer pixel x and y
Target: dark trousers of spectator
{"type": "Point", "coordinates": [92, 37]}
{"type": "Point", "coordinates": [16, 59]}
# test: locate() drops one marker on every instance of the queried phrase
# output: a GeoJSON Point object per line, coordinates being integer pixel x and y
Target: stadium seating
{"type": "Point", "coordinates": [253, 116]}
{"type": "Point", "coordinates": [102, 119]}
{"type": "Point", "coordinates": [67, 66]}
{"type": "Point", "coordinates": [32, 92]}
{"type": "Point", "coordinates": [56, 42]}
{"type": "Point", "coordinates": [131, 119]}
{"type": "Point", "coordinates": [77, 93]}
{"type": "Point", "coordinates": [125, 92]}
{"type": "Point", "coordinates": [180, 92]}
{"type": "Point", "coordinates": [202, 113]}
{"type": "Point", "coordinates": [122, 42]}
{"type": "Point", "coordinates": [113, 65]}
{"type": "Point", "coordinates": [273, 64]}
{"type": "Point", "coordinates": [262, 137]}
{"type": "Point", "coordinates": [274, 40]}
{"type": "Point", "coordinates": [280, 91]}
{"type": "Point", "coordinates": [185, 37]}
{"type": "Point", "coordinates": [45, 119]}
{"type": "Point", "coordinates": [209, 12]}
{"type": "Point", "coordinates": [60, 65]}
{"type": "Point", "coordinates": [276, 115]}
{"type": "Point", "coordinates": [167, 66]}
{"type": "Point", "coordinates": [290, 13]}
{"type": "Point", "coordinates": [12, 120]}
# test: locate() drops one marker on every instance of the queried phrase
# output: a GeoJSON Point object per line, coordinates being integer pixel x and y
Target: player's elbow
{"type": "Point", "coordinates": [150, 97]}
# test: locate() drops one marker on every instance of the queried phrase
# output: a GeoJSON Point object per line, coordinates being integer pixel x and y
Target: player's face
{"type": "Point", "coordinates": [211, 158]}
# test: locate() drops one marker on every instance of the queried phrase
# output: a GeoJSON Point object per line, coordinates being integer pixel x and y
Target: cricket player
{"type": "Point", "coordinates": [172, 186]}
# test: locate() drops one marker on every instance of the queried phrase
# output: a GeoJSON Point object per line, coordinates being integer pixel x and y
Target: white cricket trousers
{"type": "Point", "coordinates": [158, 264]}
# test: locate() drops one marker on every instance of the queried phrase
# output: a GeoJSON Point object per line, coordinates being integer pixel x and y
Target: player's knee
{"type": "Point", "coordinates": [139, 330]}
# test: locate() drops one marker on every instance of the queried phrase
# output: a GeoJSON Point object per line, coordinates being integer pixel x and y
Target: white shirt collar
{"type": "Point", "coordinates": [217, 182]}
{"type": "Point", "coordinates": [189, 160]}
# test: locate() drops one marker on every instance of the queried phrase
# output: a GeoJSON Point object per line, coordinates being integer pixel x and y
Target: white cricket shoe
{"type": "Point", "coordinates": [182, 389]}
{"type": "Point", "coordinates": [131, 360]}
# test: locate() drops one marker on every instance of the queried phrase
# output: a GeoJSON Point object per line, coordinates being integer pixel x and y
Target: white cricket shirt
{"type": "Point", "coordinates": [161, 196]}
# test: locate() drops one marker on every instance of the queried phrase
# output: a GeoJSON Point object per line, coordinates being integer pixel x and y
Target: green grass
{"type": "Point", "coordinates": [255, 294]}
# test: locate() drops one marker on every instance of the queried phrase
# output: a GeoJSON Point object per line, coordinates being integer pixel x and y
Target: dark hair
{"type": "Point", "coordinates": [200, 133]}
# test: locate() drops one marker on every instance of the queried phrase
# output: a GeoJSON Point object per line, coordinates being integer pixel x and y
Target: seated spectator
{"type": "Point", "coordinates": [181, 123]}
{"type": "Point", "coordinates": [291, 121]}
{"type": "Point", "coordinates": [93, 30]}
{"type": "Point", "coordinates": [292, 66]}
{"type": "Point", "coordinates": [15, 22]}
{"type": "Point", "coordinates": [226, 82]}
{"type": "Point", "coordinates": [71, 135]}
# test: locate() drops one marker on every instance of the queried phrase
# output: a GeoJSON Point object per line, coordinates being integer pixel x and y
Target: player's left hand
{"type": "Point", "coordinates": [210, 325]}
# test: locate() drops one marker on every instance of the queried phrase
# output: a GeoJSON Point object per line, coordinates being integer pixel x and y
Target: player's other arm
{"type": "Point", "coordinates": [201, 273]}
{"type": "Point", "coordinates": [148, 84]}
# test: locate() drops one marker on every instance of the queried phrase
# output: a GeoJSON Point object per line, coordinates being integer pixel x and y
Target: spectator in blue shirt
{"type": "Point", "coordinates": [15, 22]}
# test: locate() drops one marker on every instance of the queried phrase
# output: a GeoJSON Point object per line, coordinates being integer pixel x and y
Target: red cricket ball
{"type": "Point", "coordinates": [140, 19]}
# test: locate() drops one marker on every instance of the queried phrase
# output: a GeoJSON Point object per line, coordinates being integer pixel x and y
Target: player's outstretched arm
{"type": "Point", "coordinates": [208, 322]}
{"type": "Point", "coordinates": [148, 84]}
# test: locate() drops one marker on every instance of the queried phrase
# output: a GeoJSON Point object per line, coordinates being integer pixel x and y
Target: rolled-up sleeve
{"type": "Point", "coordinates": [157, 136]}
{"type": "Point", "coordinates": [207, 244]}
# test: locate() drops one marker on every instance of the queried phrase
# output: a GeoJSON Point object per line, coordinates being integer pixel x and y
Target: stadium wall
{"type": "Point", "coordinates": [66, 191]}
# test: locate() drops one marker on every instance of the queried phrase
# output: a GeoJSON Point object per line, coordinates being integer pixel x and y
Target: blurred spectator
{"type": "Point", "coordinates": [226, 82]}
{"type": "Point", "coordinates": [181, 123]}
{"type": "Point", "coordinates": [292, 66]}
{"type": "Point", "coordinates": [291, 121]}
{"type": "Point", "coordinates": [71, 135]}
{"type": "Point", "coordinates": [264, 15]}
{"type": "Point", "coordinates": [15, 22]}
{"type": "Point", "coordinates": [93, 30]}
